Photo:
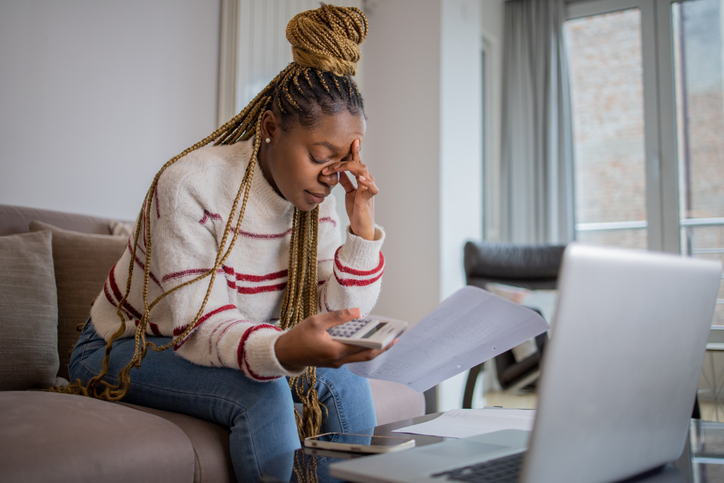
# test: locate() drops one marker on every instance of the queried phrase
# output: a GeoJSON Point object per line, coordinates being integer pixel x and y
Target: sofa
{"type": "Point", "coordinates": [52, 266]}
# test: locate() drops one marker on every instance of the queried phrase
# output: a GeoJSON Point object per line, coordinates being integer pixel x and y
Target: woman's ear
{"type": "Point", "coordinates": [269, 125]}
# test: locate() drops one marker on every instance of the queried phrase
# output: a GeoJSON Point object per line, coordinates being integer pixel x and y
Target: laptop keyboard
{"type": "Point", "coordinates": [506, 469]}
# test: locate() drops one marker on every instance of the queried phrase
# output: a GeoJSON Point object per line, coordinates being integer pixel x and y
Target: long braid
{"type": "Point", "coordinates": [325, 48]}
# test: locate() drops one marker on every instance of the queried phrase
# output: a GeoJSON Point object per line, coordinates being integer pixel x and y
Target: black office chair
{"type": "Point", "coordinates": [533, 267]}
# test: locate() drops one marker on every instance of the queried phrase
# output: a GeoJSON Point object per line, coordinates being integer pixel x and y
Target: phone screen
{"type": "Point", "coordinates": [358, 442]}
{"type": "Point", "coordinates": [360, 439]}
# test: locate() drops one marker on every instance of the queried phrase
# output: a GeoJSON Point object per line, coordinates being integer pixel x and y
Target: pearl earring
{"type": "Point", "coordinates": [267, 140]}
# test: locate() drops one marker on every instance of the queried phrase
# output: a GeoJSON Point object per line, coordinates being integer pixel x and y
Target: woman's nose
{"type": "Point", "coordinates": [329, 179]}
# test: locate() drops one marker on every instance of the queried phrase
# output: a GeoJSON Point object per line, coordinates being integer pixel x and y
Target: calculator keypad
{"type": "Point", "coordinates": [348, 329]}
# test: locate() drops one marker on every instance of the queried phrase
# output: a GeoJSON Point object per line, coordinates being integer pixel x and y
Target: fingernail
{"type": "Point", "coordinates": [362, 178]}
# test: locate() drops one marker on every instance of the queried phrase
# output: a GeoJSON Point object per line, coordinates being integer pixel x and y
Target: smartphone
{"type": "Point", "coordinates": [371, 332]}
{"type": "Point", "coordinates": [359, 443]}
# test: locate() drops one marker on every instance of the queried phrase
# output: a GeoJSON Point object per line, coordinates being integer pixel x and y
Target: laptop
{"type": "Point", "coordinates": [618, 378]}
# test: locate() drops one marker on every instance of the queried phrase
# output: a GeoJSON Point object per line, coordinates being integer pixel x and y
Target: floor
{"type": "Point", "coordinates": [511, 400]}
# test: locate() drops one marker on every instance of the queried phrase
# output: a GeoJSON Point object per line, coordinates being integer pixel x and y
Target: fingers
{"type": "Point", "coordinates": [338, 317]}
{"type": "Point", "coordinates": [355, 167]}
{"type": "Point", "coordinates": [346, 183]}
{"type": "Point", "coordinates": [366, 354]}
{"type": "Point", "coordinates": [355, 151]}
{"type": "Point", "coordinates": [371, 188]}
{"type": "Point", "coordinates": [354, 164]}
{"type": "Point", "coordinates": [364, 179]}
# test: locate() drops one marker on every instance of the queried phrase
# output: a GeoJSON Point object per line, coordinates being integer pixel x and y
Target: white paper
{"type": "Point", "coordinates": [466, 329]}
{"type": "Point", "coordinates": [463, 423]}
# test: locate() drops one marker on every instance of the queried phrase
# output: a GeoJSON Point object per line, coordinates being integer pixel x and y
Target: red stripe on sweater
{"type": "Point", "coordinates": [352, 271]}
{"type": "Point", "coordinates": [154, 329]}
{"type": "Point", "coordinates": [155, 196]}
{"type": "Point", "coordinates": [203, 318]}
{"type": "Point", "coordinates": [353, 282]}
{"type": "Point", "coordinates": [324, 298]}
{"type": "Point", "coordinates": [258, 236]}
{"type": "Point", "coordinates": [244, 277]}
{"type": "Point", "coordinates": [208, 215]}
{"type": "Point", "coordinates": [217, 217]}
{"type": "Point", "coordinates": [263, 236]}
{"type": "Point", "coordinates": [180, 330]}
{"type": "Point", "coordinates": [221, 336]}
{"type": "Point", "coordinates": [328, 219]}
{"type": "Point", "coordinates": [143, 265]}
{"type": "Point", "coordinates": [242, 356]}
{"type": "Point", "coordinates": [117, 293]}
{"type": "Point", "coordinates": [261, 289]}
{"type": "Point", "coordinates": [247, 277]}
{"type": "Point", "coordinates": [143, 221]}
{"type": "Point", "coordinates": [113, 302]}
{"type": "Point", "coordinates": [185, 273]}
{"type": "Point", "coordinates": [213, 332]}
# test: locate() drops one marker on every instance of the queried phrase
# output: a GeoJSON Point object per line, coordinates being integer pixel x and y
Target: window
{"type": "Point", "coordinates": [605, 64]}
{"type": "Point", "coordinates": [648, 116]}
{"type": "Point", "coordinates": [697, 46]}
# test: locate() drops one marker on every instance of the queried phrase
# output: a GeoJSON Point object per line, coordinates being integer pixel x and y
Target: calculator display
{"type": "Point", "coordinates": [371, 332]}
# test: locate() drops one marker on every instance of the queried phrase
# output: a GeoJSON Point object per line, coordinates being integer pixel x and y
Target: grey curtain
{"type": "Point", "coordinates": [537, 152]}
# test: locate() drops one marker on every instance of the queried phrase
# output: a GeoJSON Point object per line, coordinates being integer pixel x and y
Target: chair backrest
{"type": "Point", "coordinates": [532, 267]}
{"type": "Point", "coordinates": [528, 266]}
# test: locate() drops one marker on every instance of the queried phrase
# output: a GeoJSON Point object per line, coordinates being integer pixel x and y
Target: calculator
{"type": "Point", "coordinates": [371, 332]}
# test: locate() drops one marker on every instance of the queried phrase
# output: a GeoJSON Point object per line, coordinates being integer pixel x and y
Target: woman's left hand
{"type": "Point", "coordinates": [359, 201]}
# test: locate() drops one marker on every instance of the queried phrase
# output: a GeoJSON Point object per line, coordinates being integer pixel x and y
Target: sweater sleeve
{"type": "Point", "coordinates": [186, 248]}
{"type": "Point", "coordinates": [354, 276]}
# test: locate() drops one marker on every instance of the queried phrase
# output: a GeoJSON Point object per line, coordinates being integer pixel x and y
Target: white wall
{"type": "Point", "coordinates": [461, 170]}
{"type": "Point", "coordinates": [423, 144]}
{"type": "Point", "coordinates": [402, 148]}
{"type": "Point", "coordinates": [97, 95]}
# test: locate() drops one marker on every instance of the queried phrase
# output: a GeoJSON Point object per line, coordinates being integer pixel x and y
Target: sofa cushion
{"type": "Point", "coordinates": [28, 312]}
{"type": "Point", "coordinates": [82, 262]}
{"type": "Point", "coordinates": [210, 442]}
{"type": "Point", "coordinates": [62, 438]}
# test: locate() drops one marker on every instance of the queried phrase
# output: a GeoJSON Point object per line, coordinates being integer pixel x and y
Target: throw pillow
{"type": "Point", "coordinates": [82, 262]}
{"type": "Point", "coordinates": [121, 228]}
{"type": "Point", "coordinates": [28, 312]}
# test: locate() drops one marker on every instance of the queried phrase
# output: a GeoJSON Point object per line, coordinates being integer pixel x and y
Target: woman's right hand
{"type": "Point", "coordinates": [309, 344]}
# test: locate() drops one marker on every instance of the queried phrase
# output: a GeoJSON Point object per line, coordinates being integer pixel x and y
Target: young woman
{"type": "Point", "coordinates": [237, 263]}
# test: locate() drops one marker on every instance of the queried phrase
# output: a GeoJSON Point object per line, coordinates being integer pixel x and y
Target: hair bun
{"type": "Point", "coordinates": [328, 38]}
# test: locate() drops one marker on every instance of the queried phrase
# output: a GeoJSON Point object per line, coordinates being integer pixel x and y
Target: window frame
{"type": "Point", "coordinates": [662, 199]}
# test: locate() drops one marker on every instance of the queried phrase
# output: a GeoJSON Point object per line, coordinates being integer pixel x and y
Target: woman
{"type": "Point", "coordinates": [236, 263]}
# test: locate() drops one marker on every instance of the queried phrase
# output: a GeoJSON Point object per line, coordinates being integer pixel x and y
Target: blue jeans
{"type": "Point", "coordinates": [260, 415]}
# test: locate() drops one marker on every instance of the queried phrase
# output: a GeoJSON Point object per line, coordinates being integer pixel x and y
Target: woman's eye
{"type": "Point", "coordinates": [315, 160]}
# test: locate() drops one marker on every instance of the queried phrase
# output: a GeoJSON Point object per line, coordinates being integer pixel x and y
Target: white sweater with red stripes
{"type": "Point", "coordinates": [238, 326]}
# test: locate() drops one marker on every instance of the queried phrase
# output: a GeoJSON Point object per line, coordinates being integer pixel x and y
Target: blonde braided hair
{"type": "Point", "coordinates": [325, 48]}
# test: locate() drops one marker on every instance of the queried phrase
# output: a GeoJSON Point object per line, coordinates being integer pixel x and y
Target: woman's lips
{"type": "Point", "coordinates": [317, 197]}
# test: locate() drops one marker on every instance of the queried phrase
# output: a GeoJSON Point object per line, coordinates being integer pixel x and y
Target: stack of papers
{"type": "Point", "coordinates": [466, 329]}
{"type": "Point", "coordinates": [462, 423]}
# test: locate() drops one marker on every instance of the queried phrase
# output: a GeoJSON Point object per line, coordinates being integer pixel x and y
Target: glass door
{"type": "Point", "coordinates": [698, 57]}
{"type": "Point", "coordinates": [647, 92]}
{"type": "Point", "coordinates": [609, 46]}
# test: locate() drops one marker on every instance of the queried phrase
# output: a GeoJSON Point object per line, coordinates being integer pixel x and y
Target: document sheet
{"type": "Point", "coordinates": [466, 329]}
{"type": "Point", "coordinates": [463, 423]}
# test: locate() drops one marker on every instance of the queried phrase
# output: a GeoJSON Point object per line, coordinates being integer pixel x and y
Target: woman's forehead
{"type": "Point", "coordinates": [335, 132]}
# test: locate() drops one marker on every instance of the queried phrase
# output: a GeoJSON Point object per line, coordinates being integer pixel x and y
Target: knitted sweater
{"type": "Point", "coordinates": [238, 326]}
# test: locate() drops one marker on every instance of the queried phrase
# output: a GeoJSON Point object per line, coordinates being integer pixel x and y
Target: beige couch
{"type": "Point", "coordinates": [52, 265]}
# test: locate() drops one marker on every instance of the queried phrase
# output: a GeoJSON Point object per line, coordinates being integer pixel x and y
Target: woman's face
{"type": "Point", "coordinates": [293, 161]}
